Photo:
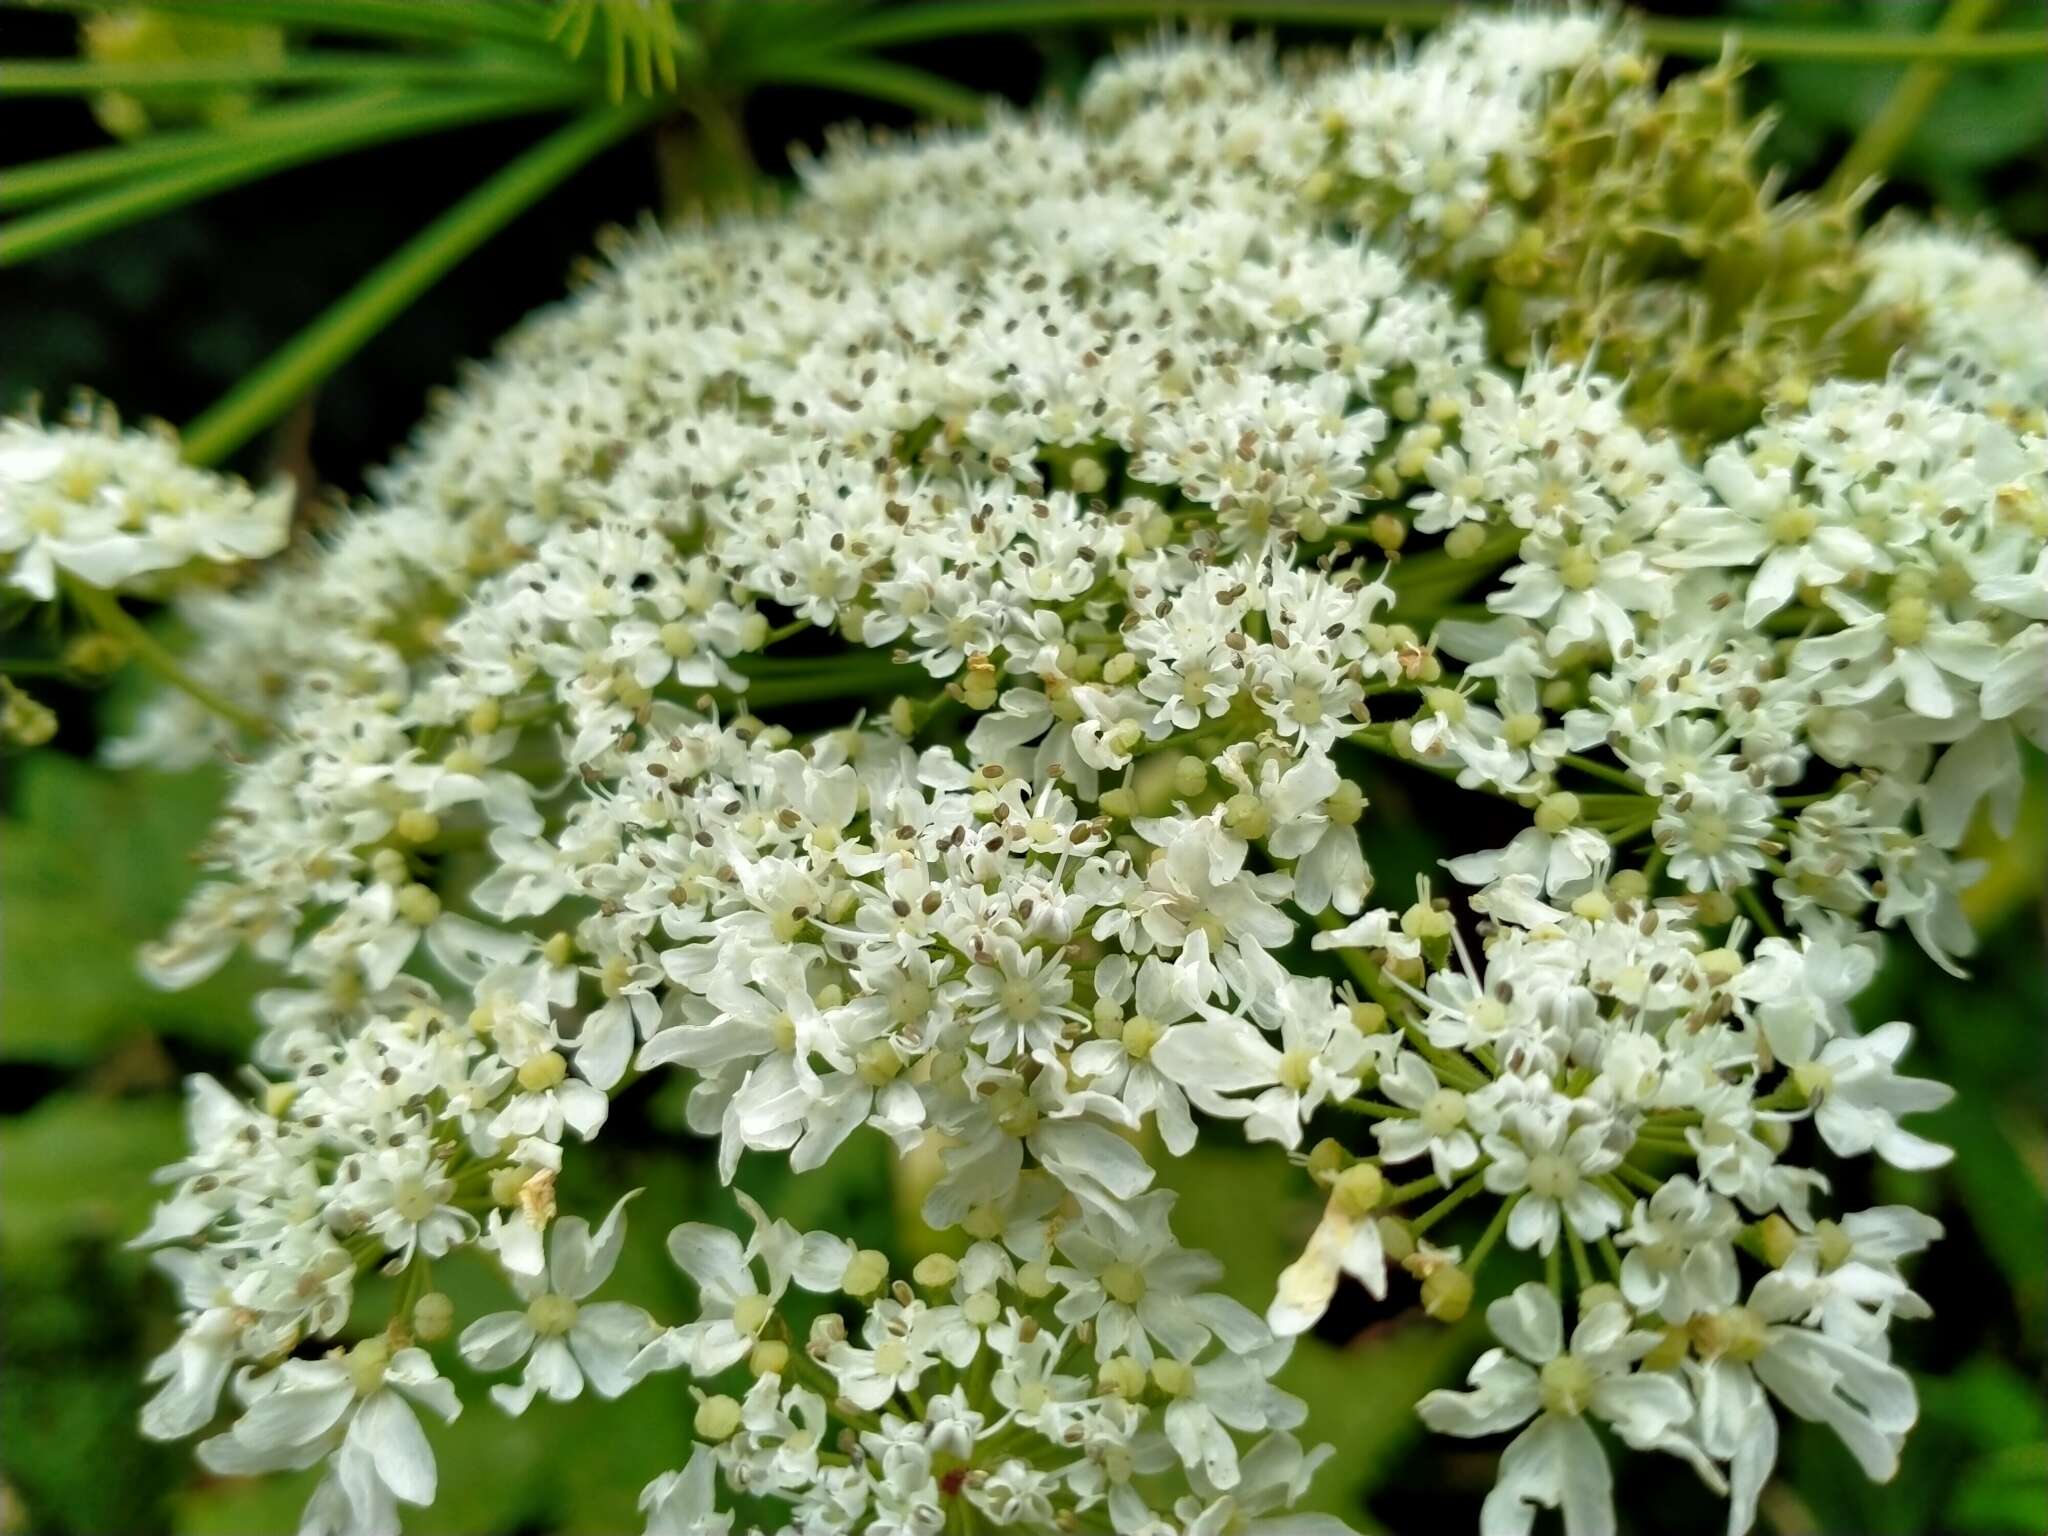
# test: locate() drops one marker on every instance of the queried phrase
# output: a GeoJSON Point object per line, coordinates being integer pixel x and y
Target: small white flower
{"type": "Point", "coordinates": [569, 1339]}
{"type": "Point", "coordinates": [1557, 1462]}
{"type": "Point", "coordinates": [1858, 1098]}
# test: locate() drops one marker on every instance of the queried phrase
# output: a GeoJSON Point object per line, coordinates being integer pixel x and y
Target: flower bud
{"type": "Point", "coordinates": [418, 825]}
{"type": "Point", "coordinates": [717, 1417]}
{"type": "Point", "coordinates": [537, 1074]}
{"type": "Point", "coordinates": [1397, 1239]}
{"type": "Point", "coordinates": [432, 1316]}
{"type": "Point", "coordinates": [1447, 1293]}
{"type": "Point", "coordinates": [1556, 812]}
{"type": "Point", "coordinates": [1358, 1190]}
{"type": "Point", "coordinates": [1599, 1294]}
{"type": "Point", "coordinates": [1174, 1378]}
{"type": "Point", "coordinates": [935, 1270]}
{"type": "Point", "coordinates": [1121, 1376]}
{"type": "Point", "coordinates": [1778, 1239]}
{"type": "Point", "coordinates": [1326, 1159]}
{"type": "Point", "coordinates": [865, 1273]}
{"type": "Point", "coordinates": [1464, 541]}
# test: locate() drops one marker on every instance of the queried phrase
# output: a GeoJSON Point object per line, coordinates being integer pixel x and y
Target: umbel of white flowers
{"type": "Point", "coordinates": [1146, 500]}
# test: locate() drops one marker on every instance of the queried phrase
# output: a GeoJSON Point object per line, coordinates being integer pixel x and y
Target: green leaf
{"type": "Point", "coordinates": [73, 77]}
{"type": "Point", "coordinates": [79, 1168]}
{"type": "Point", "coordinates": [2006, 1491]}
{"type": "Point", "coordinates": [510, 21]}
{"type": "Point", "coordinates": [82, 219]}
{"type": "Point", "coordinates": [97, 864]}
{"type": "Point", "coordinates": [42, 180]}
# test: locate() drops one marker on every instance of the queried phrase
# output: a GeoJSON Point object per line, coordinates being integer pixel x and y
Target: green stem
{"type": "Point", "coordinates": [1611, 1256]}
{"type": "Point", "coordinates": [880, 80]}
{"type": "Point", "coordinates": [107, 614]}
{"type": "Point", "coordinates": [73, 77]}
{"type": "Point", "coordinates": [1491, 1235]}
{"type": "Point", "coordinates": [331, 340]}
{"type": "Point", "coordinates": [858, 675]}
{"type": "Point", "coordinates": [69, 223]}
{"type": "Point", "coordinates": [1599, 770]}
{"type": "Point", "coordinates": [442, 20]}
{"type": "Point", "coordinates": [1582, 1270]}
{"type": "Point", "coordinates": [1366, 1107]}
{"type": "Point", "coordinates": [1886, 134]}
{"type": "Point", "coordinates": [923, 23]}
{"type": "Point", "coordinates": [1753, 904]}
{"type": "Point", "coordinates": [1787, 1095]}
{"type": "Point", "coordinates": [1424, 584]}
{"type": "Point", "coordinates": [1401, 1194]}
{"type": "Point", "coordinates": [1450, 1202]}
{"type": "Point", "coordinates": [1648, 1183]}
{"type": "Point", "coordinates": [705, 162]}
{"type": "Point", "coordinates": [26, 185]}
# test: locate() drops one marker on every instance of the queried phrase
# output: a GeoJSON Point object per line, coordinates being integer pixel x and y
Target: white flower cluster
{"type": "Point", "coordinates": [906, 665]}
{"type": "Point", "coordinates": [1976, 306]}
{"type": "Point", "coordinates": [119, 511]}
{"type": "Point", "coordinates": [1628, 1096]}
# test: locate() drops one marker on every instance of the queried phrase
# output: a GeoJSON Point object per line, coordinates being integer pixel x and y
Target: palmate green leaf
{"type": "Point", "coordinates": [103, 860]}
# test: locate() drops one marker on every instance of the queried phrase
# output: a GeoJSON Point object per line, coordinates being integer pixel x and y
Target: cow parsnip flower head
{"type": "Point", "coordinates": [120, 511]}
{"type": "Point", "coordinates": [904, 665]}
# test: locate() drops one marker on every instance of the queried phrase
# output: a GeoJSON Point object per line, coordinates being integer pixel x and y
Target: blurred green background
{"type": "Point", "coordinates": [165, 316]}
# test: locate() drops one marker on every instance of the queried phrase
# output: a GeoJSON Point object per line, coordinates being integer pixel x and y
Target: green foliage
{"type": "Point", "coordinates": [105, 859]}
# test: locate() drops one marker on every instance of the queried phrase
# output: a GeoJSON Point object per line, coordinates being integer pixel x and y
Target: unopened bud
{"type": "Point", "coordinates": [432, 1316]}
{"type": "Point", "coordinates": [1463, 541]}
{"type": "Point", "coordinates": [418, 825]}
{"type": "Point", "coordinates": [1599, 1294]}
{"type": "Point", "coordinates": [1358, 1189]}
{"type": "Point", "coordinates": [717, 1418]}
{"type": "Point", "coordinates": [540, 1073]}
{"type": "Point", "coordinates": [1327, 1159]}
{"type": "Point", "coordinates": [935, 1270]}
{"type": "Point", "coordinates": [1121, 1376]}
{"type": "Point", "coordinates": [1778, 1238]}
{"type": "Point", "coordinates": [865, 1273]}
{"type": "Point", "coordinates": [1447, 1293]}
{"type": "Point", "coordinates": [1396, 1238]}
{"type": "Point", "coordinates": [1173, 1377]}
